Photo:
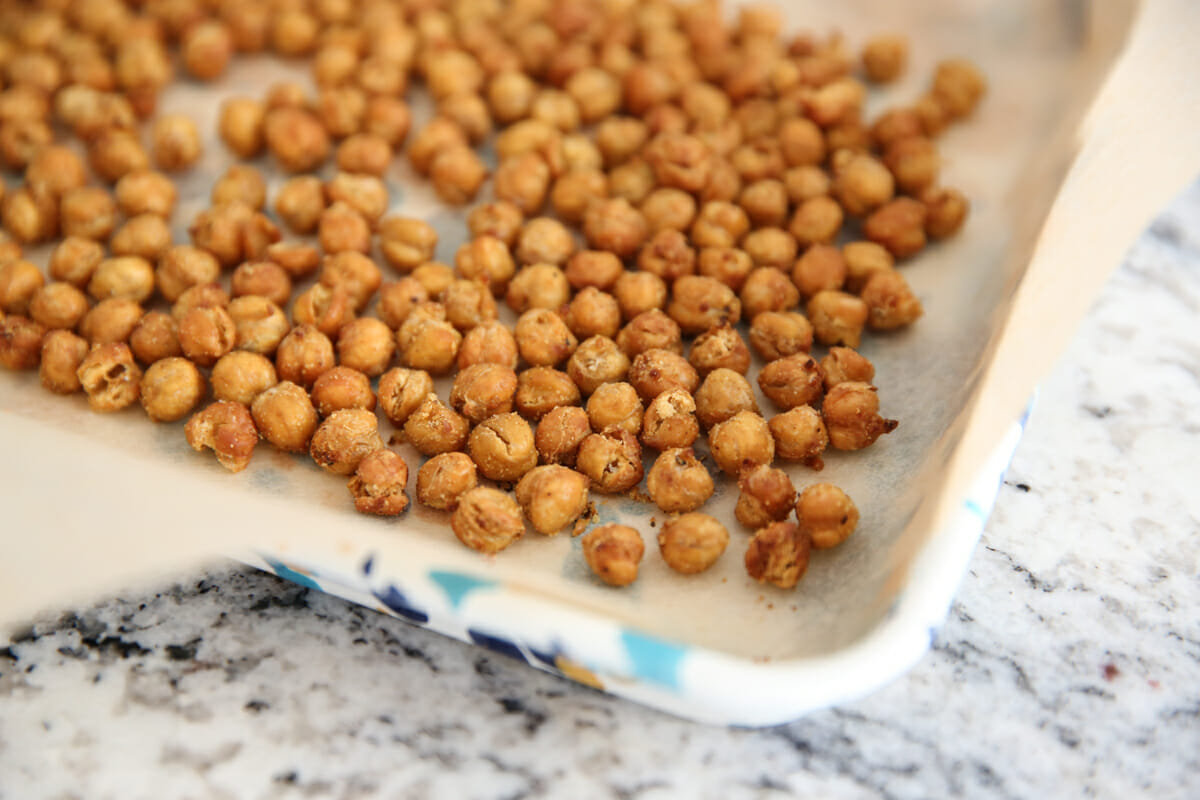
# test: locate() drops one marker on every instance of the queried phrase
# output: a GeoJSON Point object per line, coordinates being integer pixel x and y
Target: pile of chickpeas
{"type": "Point", "coordinates": [673, 192]}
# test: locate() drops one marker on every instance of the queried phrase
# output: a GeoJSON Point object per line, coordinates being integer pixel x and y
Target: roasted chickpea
{"type": "Point", "coordinates": [502, 447]}
{"type": "Point", "coordinates": [574, 191]}
{"type": "Point", "coordinates": [300, 202]}
{"type": "Point", "coordinates": [668, 208]}
{"type": "Point", "coordinates": [670, 421]}
{"type": "Point", "coordinates": [613, 553]}
{"type": "Point", "coordinates": [109, 376]}
{"type": "Point", "coordinates": [56, 305]}
{"type": "Point", "coordinates": [801, 142]}
{"type": "Point", "coordinates": [387, 117]}
{"type": "Point", "coordinates": [890, 301]}
{"type": "Point", "coordinates": [115, 153]}
{"type": "Point", "coordinates": [913, 162]}
{"type": "Point", "coordinates": [488, 343]}
{"type": "Point", "coordinates": [542, 389]}
{"type": "Point", "coordinates": [612, 460]}
{"type": "Point", "coordinates": [593, 313]}
{"type": "Point", "coordinates": [171, 388]}
{"type": "Point", "coordinates": [862, 260]}
{"type": "Point", "coordinates": [632, 181]}
{"type": "Point", "coordinates": [296, 138]}
{"type": "Point", "coordinates": [344, 439]}
{"type": "Point", "coordinates": [206, 334]}
{"type": "Point", "coordinates": [87, 211]}
{"type": "Point", "coordinates": [208, 295]}
{"type": "Point", "coordinates": [792, 381]}
{"type": "Point", "coordinates": [768, 289]}
{"type": "Point", "coordinates": [717, 348]}
{"type": "Point", "coordinates": [538, 286]}
{"type": "Point", "coordinates": [428, 344]}
{"type": "Point", "coordinates": [778, 554]}
{"type": "Point", "coordinates": [342, 229]}
{"type": "Point", "coordinates": [228, 430]}
{"type": "Point", "coordinates": [862, 183]}
{"type": "Point", "coordinates": [126, 277]}
{"type": "Point", "coordinates": [435, 276]}
{"type": "Point", "coordinates": [501, 220]}
{"type": "Point", "coordinates": [843, 364]}
{"type": "Point", "coordinates": [800, 435]}
{"type": "Point", "coordinates": [456, 173]}
{"type": "Point", "coordinates": [176, 142]}
{"type": "Point", "coordinates": [560, 433]}
{"type": "Point", "coordinates": [21, 139]}
{"type": "Point", "coordinates": [366, 345]}
{"type": "Point", "coordinates": [770, 247]}
{"type": "Point", "coordinates": [655, 371]}
{"type": "Point", "coordinates": [241, 126]}
{"type": "Point", "coordinates": [29, 217]}
{"type": "Point", "coordinates": [353, 272]}
{"type": "Point", "coordinates": [806, 182]}
{"type": "Point", "coordinates": [543, 338]}
{"type": "Point", "coordinates": [615, 404]}
{"type": "Point", "coordinates": [851, 413]}
{"type": "Point", "coordinates": [958, 86]}
{"type": "Point", "coordinates": [74, 260]}
{"type": "Point", "coordinates": [524, 181]}
{"type": "Point", "coordinates": [723, 394]}
{"type": "Point", "coordinates": [264, 279]}
{"type": "Point", "coordinates": [728, 265]}
{"type": "Point", "coordinates": [364, 154]}
{"type": "Point", "coordinates": [285, 416]}
{"type": "Point", "coordinates": [640, 292]}
{"type": "Point", "coordinates": [679, 160]}
{"type": "Point", "coordinates": [620, 138]}
{"type": "Point", "coordinates": [543, 240]}
{"type": "Point", "coordinates": [719, 224]}
{"type": "Point", "coordinates": [433, 428]}
{"type": "Point", "coordinates": [741, 441]}
{"type": "Point", "coordinates": [816, 221]}
{"type": "Point", "coordinates": [821, 267]}
{"type": "Point", "coordinates": [765, 202]}
{"type": "Point", "coordinates": [233, 232]}
{"type": "Point", "coordinates": [884, 58]}
{"type": "Point", "coordinates": [21, 342]}
{"type": "Point", "coordinates": [837, 318]}
{"type": "Point", "coordinates": [324, 307]}
{"type": "Point", "coordinates": [826, 514]}
{"type": "Point", "coordinates": [766, 495]}
{"type": "Point", "coordinates": [145, 236]}
{"type": "Point", "coordinates": [62, 353]}
{"type": "Point", "coordinates": [241, 376]}
{"type": "Point", "coordinates": [20, 281]}
{"type": "Point", "coordinates": [397, 299]}
{"type": "Point", "coordinates": [667, 255]}
{"type": "Point", "coordinates": [240, 183]}
{"type": "Point", "coordinates": [378, 484]}
{"type": "Point", "coordinates": [778, 334]}
{"type": "Point", "coordinates": [55, 170]}
{"type": "Point", "coordinates": [487, 520]}
{"type": "Point", "coordinates": [341, 388]}
{"type": "Point", "coordinates": [699, 303]}
{"type": "Point", "coordinates": [616, 226]}
{"type": "Point", "coordinates": [486, 259]}
{"type": "Point", "coordinates": [692, 543]}
{"type": "Point", "coordinates": [510, 96]}
{"type": "Point", "coordinates": [899, 226]}
{"type": "Point", "coordinates": [443, 479]}
{"type": "Point", "coordinates": [303, 355]}
{"type": "Point", "coordinates": [552, 497]}
{"type": "Point", "coordinates": [483, 390]}
{"type": "Point", "coordinates": [596, 92]}
{"type": "Point", "coordinates": [678, 481]}
{"type": "Point", "coordinates": [401, 391]}
{"type": "Point", "coordinates": [650, 330]}
{"type": "Point", "coordinates": [111, 320]}
{"type": "Point", "coordinates": [596, 361]}
{"type": "Point", "coordinates": [946, 209]}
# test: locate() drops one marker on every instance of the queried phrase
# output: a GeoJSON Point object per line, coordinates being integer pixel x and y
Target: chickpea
{"type": "Point", "coordinates": [913, 162]}
{"type": "Point", "coordinates": [620, 138]}
{"type": "Point", "coordinates": [667, 255]}
{"type": "Point", "coordinates": [699, 303]}
{"type": "Point", "coordinates": [724, 185]}
{"type": "Point", "coordinates": [110, 377]}
{"type": "Point", "coordinates": [597, 360]}
{"type": "Point", "coordinates": [502, 447]}
{"type": "Point", "coordinates": [355, 273]}
{"type": "Point", "coordinates": [285, 416]}
{"type": "Point", "coordinates": [20, 281]}
{"type": "Point", "coordinates": [884, 58]}
{"type": "Point", "coordinates": [862, 183]}
{"type": "Point", "coordinates": [668, 209]}
{"type": "Point", "coordinates": [296, 138]}
{"type": "Point", "coordinates": [543, 240]}
{"type": "Point", "coordinates": [806, 182]}
{"type": "Point", "coordinates": [801, 143]}
{"type": "Point", "coordinates": [29, 217]}
{"type": "Point", "coordinates": [489, 343]}
{"type": "Point", "coordinates": [240, 376]}
{"type": "Point", "coordinates": [958, 85]}
{"type": "Point", "coordinates": [632, 181]}
{"type": "Point", "coordinates": [264, 279]}
{"type": "Point", "coordinates": [800, 435]}
{"type": "Point", "coordinates": [176, 142]}
{"type": "Point", "coordinates": [543, 338]}
{"type": "Point", "coordinates": [655, 371]}
{"type": "Point", "coordinates": [487, 520]}
{"type": "Point", "coordinates": [206, 334]}
{"type": "Point", "coordinates": [510, 96]}
{"type": "Point", "coordinates": [457, 172]}
{"type": "Point", "coordinates": [552, 497]}
{"type": "Point", "coordinates": [765, 202]}
{"type": "Point", "coordinates": [401, 391]}
{"type": "Point", "coordinates": [612, 460]}
{"type": "Point", "coordinates": [719, 348]}
{"type": "Point", "coordinates": [559, 434]}
{"type": "Point", "coordinates": [723, 394]}
{"type": "Point", "coordinates": [792, 381]}
{"type": "Point", "coordinates": [670, 421]}
{"type": "Point", "coordinates": [433, 428]}
{"type": "Point", "coordinates": [387, 117]}
{"type": "Point", "coordinates": [396, 300]}
{"type": "Point", "coordinates": [300, 203]}
{"type": "Point", "coordinates": [366, 345]}
{"type": "Point", "coordinates": [692, 543]}
{"type": "Point", "coordinates": [822, 267]}
{"type": "Point", "coordinates": [680, 160]}
{"type": "Point", "coordinates": [778, 334]}
{"type": "Point", "coordinates": [483, 390]}
{"type": "Point", "coordinates": [378, 484]}
{"type": "Point", "coordinates": [145, 236]}
{"type": "Point", "coordinates": [575, 190]}
{"type": "Point", "coordinates": [233, 232]}
{"type": "Point", "coordinates": [171, 388]}
{"type": "Point", "coordinates": [524, 181]}
{"type": "Point", "coordinates": [650, 330]}
{"type": "Point", "coordinates": [899, 226]}
{"type": "Point", "coordinates": [341, 388]}
{"type": "Point", "coordinates": [945, 211]}
{"type": "Point", "coordinates": [615, 404]}
{"type": "Point", "coordinates": [20, 140]}
{"type": "Point", "coordinates": [770, 247]}
{"type": "Point", "coordinates": [303, 355]}
{"type": "Point", "coordinates": [228, 430]}
{"type": "Point", "coordinates": [364, 154]}
{"type": "Point", "coordinates": [128, 277]}
{"type": "Point", "coordinates": [20, 342]}
{"type": "Point", "coordinates": [324, 307]}
{"type": "Point", "coordinates": [439, 134]}
{"type": "Point", "coordinates": [241, 125]}
{"type": "Point", "coordinates": [638, 293]}
{"type": "Point", "coordinates": [862, 260]}
{"type": "Point", "coordinates": [596, 92]}
{"type": "Point", "coordinates": [837, 318]}
{"type": "Point", "coordinates": [486, 259]}
{"type": "Point", "coordinates": [678, 481]}
{"type": "Point", "coordinates": [728, 265]}
{"type": "Point", "coordinates": [55, 170]}
{"type": "Point", "coordinates": [428, 344]}
{"type": "Point", "coordinates": [613, 552]}
{"type": "Point", "coordinates": [616, 226]}
{"type": "Point", "coordinates": [593, 313]}
{"type": "Point", "coordinates": [87, 211]}
{"type": "Point", "coordinates": [73, 260]}
{"type": "Point", "coordinates": [778, 554]}
{"type": "Point", "coordinates": [719, 224]}
{"type": "Point", "coordinates": [851, 413]}
{"type": "Point", "coordinates": [468, 304]}
{"type": "Point", "coordinates": [890, 301]}
{"type": "Point", "coordinates": [55, 306]}
{"type": "Point", "coordinates": [342, 229]}
{"type": "Point", "coordinates": [443, 479]}
{"type": "Point", "coordinates": [816, 221]}
{"type": "Point", "coordinates": [501, 220]}
{"type": "Point", "coordinates": [826, 514]}
{"type": "Point", "coordinates": [741, 441]}
{"type": "Point", "coordinates": [208, 295]}
{"type": "Point", "coordinates": [540, 286]}
{"type": "Point", "coordinates": [344, 439]}
{"type": "Point", "coordinates": [298, 260]}
{"type": "Point", "coordinates": [62, 353]}
{"type": "Point", "coordinates": [768, 289]}
{"type": "Point", "coordinates": [542, 389]}
{"type": "Point", "coordinates": [111, 320]}
{"type": "Point", "coordinates": [240, 183]}
{"type": "Point", "coordinates": [115, 153]}
{"type": "Point", "coordinates": [766, 495]}
{"type": "Point", "coordinates": [843, 364]}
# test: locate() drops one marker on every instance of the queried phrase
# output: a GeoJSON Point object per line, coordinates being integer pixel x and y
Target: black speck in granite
{"type": "Point", "coordinates": [183, 652]}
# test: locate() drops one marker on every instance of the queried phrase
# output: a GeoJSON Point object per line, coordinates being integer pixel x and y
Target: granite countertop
{"type": "Point", "coordinates": [1069, 664]}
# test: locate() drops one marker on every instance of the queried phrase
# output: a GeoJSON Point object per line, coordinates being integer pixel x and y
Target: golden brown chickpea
{"type": "Point", "coordinates": [741, 441]}
{"type": "Point", "coordinates": [593, 313]}
{"type": "Point", "coordinates": [396, 300]}
{"type": "Point", "coordinates": [378, 484]}
{"type": "Point", "coordinates": [176, 142]}
{"type": "Point", "coordinates": [207, 295]}
{"type": "Point", "coordinates": [650, 330]}
{"type": "Point", "coordinates": [765, 202]}
{"type": "Point", "coordinates": [543, 240]}
{"type": "Point", "coordinates": [778, 334]}
{"type": "Point", "coordinates": [692, 543]}
{"type": "Point", "coordinates": [816, 221]}
{"type": "Point", "coordinates": [487, 520]}
{"type": "Point", "coordinates": [439, 134]}
{"type": "Point", "coordinates": [387, 117]}
{"type": "Point", "coordinates": [616, 226]}
{"type": "Point", "coordinates": [73, 260]}
{"type": "Point", "coordinates": [804, 183]}
{"type": "Point", "coordinates": [300, 202]}
{"type": "Point", "coordinates": [406, 243]}
{"type": "Point", "coordinates": [792, 381]}
{"type": "Point", "coordinates": [946, 209]}
{"type": "Point", "coordinates": [486, 259]}
{"type": "Point", "coordinates": [613, 552]}
{"type": "Point", "coordinates": [890, 301]}
{"type": "Point", "coordinates": [668, 209]}
{"type": "Point", "coordinates": [326, 308]}
{"type": "Point", "coordinates": [296, 138]}
{"type": "Point", "coordinates": [341, 388]}
{"type": "Point", "coordinates": [228, 430]}
{"type": "Point", "coordinates": [612, 460]}
{"type": "Point", "coordinates": [826, 514]}
{"type": "Point", "coordinates": [303, 355]}
{"type": "Point", "coordinates": [837, 318]}
{"type": "Point", "coordinates": [456, 173]}
{"type": "Point", "coordinates": [207, 48]}
{"type": "Point", "coordinates": [502, 447]}
{"type": "Point", "coordinates": [342, 229]}
{"type": "Point", "coordinates": [758, 160]}
{"type": "Point", "coordinates": [766, 495]}
{"type": "Point", "coordinates": [821, 267]}
{"type": "Point", "coordinates": [55, 306]}
{"type": "Point", "coordinates": [171, 388]}
{"type": "Point", "coordinates": [560, 433]}
{"type": "Point", "coordinates": [543, 338]}
{"type": "Point", "coordinates": [111, 320]}
{"type": "Point", "coordinates": [264, 279]}
{"type": "Point", "coordinates": [598, 269]}
{"type": "Point", "coordinates": [678, 481]}
{"type": "Point", "coordinates": [552, 497]}
{"type": "Point", "coordinates": [241, 125]}
{"type": "Point", "coordinates": [401, 391]}
{"type": "Point", "coordinates": [670, 421]}
{"type": "Point", "coordinates": [861, 183]}
{"type": "Point", "coordinates": [768, 289]}
{"type": "Point", "coordinates": [510, 96]}
{"type": "Point", "coordinates": [851, 413]}
{"type": "Point", "coordinates": [728, 265]}
{"type": "Point", "coordinates": [297, 259]}
{"type": "Point", "coordinates": [241, 376]}
{"type": "Point", "coordinates": [770, 247]}
{"type": "Point", "coordinates": [632, 181]}
{"type": "Point", "coordinates": [655, 371]}
{"type": "Point", "coordinates": [285, 417]}
{"type": "Point", "coordinates": [620, 138]}
{"type": "Point", "coordinates": [206, 334]}
{"type": "Point", "coordinates": [334, 64]}
{"type": "Point", "coordinates": [801, 143]}
{"type": "Point", "coordinates": [127, 277]}
{"type": "Point", "coordinates": [843, 364]}
{"type": "Point", "coordinates": [524, 181]}
{"type": "Point", "coordinates": [146, 236]}
{"type": "Point", "coordinates": [365, 154]}
{"type": "Point", "coordinates": [778, 554]}
{"type": "Point", "coordinates": [556, 108]}
{"type": "Point", "coordinates": [55, 170]}
{"type": "Point", "coordinates": [680, 160]}
{"type": "Point", "coordinates": [20, 342]}
{"type": "Point", "coordinates": [638, 293]}
{"type": "Point", "coordinates": [489, 343]}
{"type": "Point", "coordinates": [240, 183]}
{"type": "Point", "coordinates": [958, 86]}
{"type": "Point", "coordinates": [428, 344]}
{"type": "Point", "coordinates": [596, 361]}
{"type": "Point", "coordinates": [482, 391]}
{"type": "Point", "coordinates": [341, 109]}
{"type": "Point", "coordinates": [575, 190]}
{"type": "Point", "coordinates": [344, 439]}
{"type": "Point", "coordinates": [723, 394]}
{"type": "Point", "coordinates": [501, 220]}
{"type": "Point", "coordinates": [115, 153]}
{"type": "Point", "coordinates": [542, 389]}
{"type": "Point", "coordinates": [21, 139]}
{"type": "Point", "coordinates": [233, 232]}
{"type": "Point", "coordinates": [667, 255]}
{"type": "Point", "coordinates": [862, 260]}
{"type": "Point", "coordinates": [110, 377]}
{"type": "Point", "coordinates": [884, 58]}
{"type": "Point", "coordinates": [20, 281]}
{"type": "Point", "coordinates": [913, 162]}
{"type": "Point", "coordinates": [699, 303]}
{"type": "Point", "coordinates": [899, 226]}
{"type": "Point", "coordinates": [468, 304]}
{"type": "Point", "coordinates": [539, 286]}
{"type": "Point", "coordinates": [62, 353]}
{"type": "Point", "coordinates": [800, 435]}
{"type": "Point", "coordinates": [434, 428]}
{"type": "Point", "coordinates": [443, 479]}
{"type": "Point", "coordinates": [87, 211]}
{"type": "Point", "coordinates": [355, 273]}
{"type": "Point", "coordinates": [719, 348]}
{"type": "Point", "coordinates": [29, 217]}
{"type": "Point", "coordinates": [366, 345]}
{"type": "Point", "coordinates": [615, 404]}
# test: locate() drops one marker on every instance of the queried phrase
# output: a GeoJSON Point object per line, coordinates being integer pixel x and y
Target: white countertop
{"type": "Point", "coordinates": [1069, 665]}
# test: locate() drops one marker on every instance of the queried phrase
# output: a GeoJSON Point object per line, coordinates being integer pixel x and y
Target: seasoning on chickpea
{"type": "Point", "coordinates": [692, 542]}
{"type": "Point", "coordinates": [778, 554]}
{"type": "Point", "coordinates": [851, 414]}
{"type": "Point", "coordinates": [285, 416]}
{"type": "Point", "coordinates": [378, 484]}
{"type": "Point", "coordinates": [670, 421]}
{"type": "Point", "coordinates": [678, 482]}
{"type": "Point", "coordinates": [826, 514]}
{"type": "Point", "coordinates": [241, 376]}
{"type": "Point", "coordinates": [443, 479]}
{"type": "Point", "coordinates": [296, 138]}
{"type": "Point", "coordinates": [792, 381]}
{"type": "Point", "coordinates": [768, 289]}
{"type": "Point", "coordinates": [502, 447]}
{"type": "Point", "coordinates": [482, 391]}
{"type": "Point", "coordinates": [766, 495]}
{"type": "Point", "coordinates": [428, 344]}
{"type": "Point", "coordinates": [899, 226]}
{"type": "Point", "coordinates": [240, 183]}
{"type": "Point", "coordinates": [500, 219]}
{"type": "Point", "coordinates": [552, 497]}
{"type": "Point", "coordinates": [344, 439]}
{"type": "Point", "coordinates": [303, 355]}
{"type": "Point", "coordinates": [890, 301]}
{"type": "Point", "coordinates": [73, 260]}
{"type": "Point", "coordinates": [486, 259]}
{"type": "Point", "coordinates": [837, 318]}
{"type": "Point", "coordinates": [434, 428]}
{"type": "Point", "coordinates": [741, 441]}
{"type": "Point", "coordinates": [650, 330]}
{"type": "Point", "coordinates": [228, 430]}
{"type": "Point", "coordinates": [487, 520]}
{"type": "Point", "coordinates": [613, 553]}
{"type": "Point", "coordinates": [723, 394]}
{"type": "Point", "coordinates": [87, 211]}
{"type": "Point", "coordinates": [488, 343]}
{"type": "Point", "coordinates": [171, 388]}
{"type": "Point", "coordinates": [612, 460]}
{"type": "Point", "coordinates": [616, 226]}
{"type": "Point", "coordinates": [61, 354]}
{"type": "Point", "coordinates": [721, 347]}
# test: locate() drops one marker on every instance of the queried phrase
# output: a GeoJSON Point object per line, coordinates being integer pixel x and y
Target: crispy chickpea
{"type": "Point", "coordinates": [765, 202]}
{"type": "Point", "coordinates": [324, 307]}
{"type": "Point", "coordinates": [74, 259]}
{"type": "Point", "coordinates": [884, 58]}
{"type": "Point", "coordinates": [616, 226]}
{"type": "Point", "coordinates": [240, 183]}
{"type": "Point", "coordinates": [757, 160]}
{"type": "Point", "coordinates": [597, 360]}
{"type": "Point", "coordinates": [575, 190]}
{"type": "Point", "coordinates": [342, 229]}
{"type": "Point", "coordinates": [401, 391]}
{"type": "Point", "coordinates": [678, 481]}
{"type": "Point", "coordinates": [29, 217]}
{"type": "Point", "coordinates": [396, 300]}
{"type": "Point", "coordinates": [468, 304]}
{"type": "Point", "coordinates": [728, 265]}
{"type": "Point", "coordinates": [670, 421]}
{"type": "Point", "coordinates": [439, 134]}
{"type": "Point", "coordinates": [387, 117]}
{"type": "Point", "coordinates": [816, 221]}
{"type": "Point", "coordinates": [837, 318]}
{"type": "Point", "coordinates": [792, 381]}
{"type": "Point", "coordinates": [62, 353]}
{"type": "Point", "coordinates": [233, 232]}
{"type": "Point", "coordinates": [115, 153]}
{"type": "Point", "coordinates": [719, 348]}
{"type": "Point", "coordinates": [680, 160]}
{"type": "Point", "coordinates": [719, 224]}
{"type": "Point", "coordinates": [456, 173]}
{"type": "Point", "coordinates": [768, 289]}
{"type": "Point", "coordinates": [741, 441]}
{"type": "Point", "coordinates": [543, 240]}
{"type": "Point", "coordinates": [632, 181]}
{"type": "Point", "coordinates": [692, 543]}
{"type": "Point", "coordinates": [176, 142]}
{"type": "Point", "coordinates": [613, 552]}
{"type": "Point", "coordinates": [500, 219]}
{"type": "Point", "coordinates": [489, 343]}
{"type": "Point", "coordinates": [443, 479]}
{"type": "Point", "coordinates": [264, 279]}
{"type": "Point", "coordinates": [594, 268]}
{"type": "Point", "coordinates": [434, 428]}
{"type": "Point", "coordinates": [298, 260]}
{"type": "Point", "coordinates": [770, 247]}
{"type": "Point", "coordinates": [428, 344]}
{"type": "Point", "coordinates": [206, 334]}
{"type": "Point", "coordinates": [862, 183]}
{"type": "Point", "coordinates": [56, 305]}
{"type": "Point", "coordinates": [542, 389]}
{"type": "Point", "coordinates": [228, 430]}
{"type": "Point", "coordinates": [899, 226]}
{"type": "Point", "coordinates": [241, 126]}
{"type": "Point", "coordinates": [958, 86]}
{"type": "Point", "coordinates": [482, 391]}
{"type": "Point", "coordinates": [890, 301]}
{"type": "Point", "coordinates": [87, 211]}
{"type": "Point", "coordinates": [620, 138]}
{"type": "Point", "coordinates": [913, 162]}
{"type": "Point", "coordinates": [20, 281]}
{"type": "Point", "coordinates": [296, 138]}
{"type": "Point", "coordinates": [862, 260]}
{"type": "Point", "coordinates": [510, 96]}
{"type": "Point", "coordinates": [241, 376]}
{"type": "Point", "coordinates": [341, 388]}
{"type": "Point", "coordinates": [724, 185]}
{"type": "Point", "coordinates": [699, 303]}
{"type": "Point", "coordinates": [806, 182]}
{"type": "Point", "coordinates": [207, 295]}
{"type": "Point", "coordinates": [54, 170]}
{"type": "Point", "coordinates": [612, 460]}
{"type": "Point", "coordinates": [378, 484]}
{"type": "Point", "coordinates": [354, 272]}
{"type": "Point", "coordinates": [667, 255]}
{"type": "Point", "coordinates": [821, 267]}
{"type": "Point", "coordinates": [128, 277]}
{"type": "Point", "coordinates": [778, 554]}
{"type": "Point", "coordinates": [524, 181]}
{"type": "Point", "coordinates": [300, 202]}
{"type": "Point", "coordinates": [303, 355]}
{"type": "Point", "coordinates": [21, 139]}
{"type": "Point", "coordinates": [552, 497]}
{"type": "Point", "coordinates": [723, 394]}
{"type": "Point", "coordinates": [110, 377]}
{"type": "Point", "coordinates": [502, 447]}
{"type": "Point", "coordinates": [668, 208]}
{"type": "Point", "coordinates": [486, 259]}
{"type": "Point", "coordinates": [615, 404]}
{"type": "Point", "coordinates": [406, 243]}
{"type": "Point", "coordinates": [800, 435]}
{"type": "Point", "coordinates": [844, 364]}
{"type": "Point", "coordinates": [21, 342]}
{"type": "Point", "coordinates": [364, 154]}
{"type": "Point", "coordinates": [344, 439]}
{"type": "Point", "coordinates": [592, 313]}
{"type": "Point", "coordinates": [851, 413]}
{"type": "Point", "coordinates": [366, 345]}
{"type": "Point", "coordinates": [778, 334]}
{"type": "Point", "coordinates": [638, 293]}
{"type": "Point", "coordinates": [655, 371]}
{"type": "Point", "coordinates": [826, 514]}
{"type": "Point", "coordinates": [285, 416]}
{"type": "Point", "coordinates": [650, 330]}
{"type": "Point", "coordinates": [543, 338]}
{"type": "Point", "coordinates": [171, 388]}
{"type": "Point", "coordinates": [801, 142]}
{"type": "Point", "coordinates": [487, 520]}
{"type": "Point", "coordinates": [111, 320]}
{"type": "Point", "coordinates": [945, 211]}
{"type": "Point", "coordinates": [559, 434]}
{"type": "Point", "coordinates": [765, 495]}
{"type": "Point", "coordinates": [146, 236]}
{"type": "Point", "coordinates": [539, 286]}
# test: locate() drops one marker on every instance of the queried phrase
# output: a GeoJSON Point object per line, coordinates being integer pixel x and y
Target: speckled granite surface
{"type": "Point", "coordinates": [1069, 666]}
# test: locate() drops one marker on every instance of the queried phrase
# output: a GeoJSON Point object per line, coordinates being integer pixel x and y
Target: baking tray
{"type": "Point", "coordinates": [93, 499]}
